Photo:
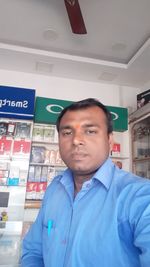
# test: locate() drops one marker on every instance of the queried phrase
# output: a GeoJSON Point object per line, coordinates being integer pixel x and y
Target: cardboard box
{"type": "Point", "coordinates": [143, 98]}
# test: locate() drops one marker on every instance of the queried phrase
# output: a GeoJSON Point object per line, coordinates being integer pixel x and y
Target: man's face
{"type": "Point", "coordinates": [83, 140]}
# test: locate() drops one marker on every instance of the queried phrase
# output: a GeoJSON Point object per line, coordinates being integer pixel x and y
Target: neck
{"type": "Point", "coordinates": [78, 182]}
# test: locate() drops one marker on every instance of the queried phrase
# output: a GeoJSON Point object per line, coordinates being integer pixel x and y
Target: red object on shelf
{"type": "Point", "coordinates": [21, 147]}
{"type": "Point", "coordinates": [5, 146]}
{"type": "Point", "coordinates": [116, 148]}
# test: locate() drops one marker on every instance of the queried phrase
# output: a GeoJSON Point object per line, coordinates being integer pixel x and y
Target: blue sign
{"type": "Point", "coordinates": [17, 102]}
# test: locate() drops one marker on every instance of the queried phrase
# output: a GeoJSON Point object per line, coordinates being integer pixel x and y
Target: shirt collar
{"type": "Point", "coordinates": [104, 175]}
{"type": "Point", "coordinates": [67, 180]}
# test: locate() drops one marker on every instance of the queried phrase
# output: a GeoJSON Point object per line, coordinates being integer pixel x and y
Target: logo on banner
{"type": "Point", "coordinates": [114, 115]}
{"type": "Point", "coordinates": [54, 108]}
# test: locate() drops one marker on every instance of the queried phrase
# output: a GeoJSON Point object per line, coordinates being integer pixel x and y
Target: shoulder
{"type": "Point", "coordinates": [125, 179]}
{"type": "Point", "coordinates": [132, 194]}
{"type": "Point", "coordinates": [128, 187]}
{"type": "Point", "coordinates": [132, 191]}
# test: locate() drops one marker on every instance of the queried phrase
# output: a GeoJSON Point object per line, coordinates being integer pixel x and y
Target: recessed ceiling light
{"type": "Point", "coordinates": [119, 47]}
{"type": "Point", "coordinates": [44, 67]}
{"type": "Point", "coordinates": [50, 35]}
{"type": "Point", "coordinates": [107, 76]}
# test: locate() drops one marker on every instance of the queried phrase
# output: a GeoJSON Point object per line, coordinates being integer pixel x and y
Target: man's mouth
{"type": "Point", "coordinates": [78, 155]}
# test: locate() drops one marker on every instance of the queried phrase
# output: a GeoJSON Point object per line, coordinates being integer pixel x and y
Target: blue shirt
{"type": "Point", "coordinates": [107, 224]}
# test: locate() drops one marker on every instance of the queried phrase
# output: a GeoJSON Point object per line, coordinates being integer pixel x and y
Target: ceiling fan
{"type": "Point", "coordinates": [75, 16]}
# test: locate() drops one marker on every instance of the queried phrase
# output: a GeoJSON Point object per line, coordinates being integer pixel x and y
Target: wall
{"type": "Point", "coordinates": [128, 97]}
{"type": "Point", "coordinates": [60, 88]}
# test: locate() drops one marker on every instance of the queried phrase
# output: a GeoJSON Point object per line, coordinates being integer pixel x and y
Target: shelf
{"type": "Point", "coordinates": [14, 158]}
{"type": "Point", "coordinates": [32, 204]}
{"type": "Point", "coordinates": [140, 140]}
{"type": "Point", "coordinates": [119, 157]}
{"type": "Point", "coordinates": [140, 114]}
{"type": "Point", "coordinates": [45, 143]}
{"type": "Point", "coordinates": [141, 159]}
{"type": "Point", "coordinates": [47, 165]}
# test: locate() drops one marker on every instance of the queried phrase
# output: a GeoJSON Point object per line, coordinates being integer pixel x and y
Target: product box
{"type": "Point", "coordinates": [37, 173]}
{"type": "Point", "coordinates": [3, 181]}
{"type": "Point", "coordinates": [40, 190]}
{"type": "Point", "coordinates": [38, 133]}
{"type": "Point", "coordinates": [23, 130]}
{"type": "Point", "coordinates": [52, 157]}
{"type": "Point", "coordinates": [3, 128]}
{"type": "Point", "coordinates": [38, 154]}
{"type": "Point", "coordinates": [11, 129]}
{"type": "Point", "coordinates": [5, 147]}
{"type": "Point", "coordinates": [13, 178]}
{"type": "Point", "coordinates": [49, 133]}
{"type": "Point", "coordinates": [13, 181]}
{"type": "Point", "coordinates": [31, 174]}
{"type": "Point", "coordinates": [3, 173]}
{"type": "Point", "coordinates": [23, 177]}
{"type": "Point", "coordinates": [115, 150]}
{"type": "Point", "coordinates": [58, 158]}
{"type": "Point", "coordinates": [143, 98]}
{"type": "Point", "coordinates": [21, 148]}
{"type": "Point", "coordinates": [4, 165]}
{"type": "Point", "coordinates": [31, 190]}
{"type": "Point", "coordinates": [44, 174]}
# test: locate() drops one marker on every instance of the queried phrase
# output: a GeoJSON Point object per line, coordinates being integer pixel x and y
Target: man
{"type": "Point", "coordinates": [94, 215]}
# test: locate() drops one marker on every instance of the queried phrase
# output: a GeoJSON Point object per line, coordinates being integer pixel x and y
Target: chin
{"type": "Point", "coordinates": [77, 169]}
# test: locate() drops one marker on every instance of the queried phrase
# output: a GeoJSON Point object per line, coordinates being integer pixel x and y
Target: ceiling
{"type": "Point", "coordinates": [36, 37]}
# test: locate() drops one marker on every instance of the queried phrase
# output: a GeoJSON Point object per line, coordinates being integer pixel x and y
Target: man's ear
{"type": "Point", "coordinates": [111, 142]}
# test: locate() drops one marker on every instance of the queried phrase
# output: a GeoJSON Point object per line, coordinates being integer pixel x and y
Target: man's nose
{"type": "Point", "coordinates": [78, 138]}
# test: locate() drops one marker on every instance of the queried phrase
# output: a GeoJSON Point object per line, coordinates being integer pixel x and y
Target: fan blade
{"type": "Point", "coordinates": [75, 16]}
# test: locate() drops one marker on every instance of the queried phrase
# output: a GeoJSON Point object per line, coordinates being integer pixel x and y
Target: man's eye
{"type": "Point", "coordinates": [91, 131]}
{"type": "Point", "coordinates": [65, 133]}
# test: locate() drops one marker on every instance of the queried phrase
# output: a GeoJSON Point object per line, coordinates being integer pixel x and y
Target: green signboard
{"type": "Point", "coordinates": [120, 118]}
{"type": "Point", "coordinates": [48, 109]}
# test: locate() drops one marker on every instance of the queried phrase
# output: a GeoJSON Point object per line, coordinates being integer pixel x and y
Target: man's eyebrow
{"type": "Point", "coordinates": [65, 127]}
{"type": "Point", "coordinates": [88, 125]}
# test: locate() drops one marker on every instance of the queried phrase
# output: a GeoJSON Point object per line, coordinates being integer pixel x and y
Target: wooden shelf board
{"type": "Point", "coordinates": [33, 204]}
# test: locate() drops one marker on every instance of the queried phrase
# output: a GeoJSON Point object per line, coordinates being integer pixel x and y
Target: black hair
{"type": "Point", "coordinates": [87, 103]}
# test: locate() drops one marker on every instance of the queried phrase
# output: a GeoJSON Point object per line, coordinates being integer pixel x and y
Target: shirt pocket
{"type": "Point", "coordinates": [49, 238]}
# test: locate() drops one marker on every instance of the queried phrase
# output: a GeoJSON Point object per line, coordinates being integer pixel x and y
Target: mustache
{"type": "Point", "coordinates": [79, 153]}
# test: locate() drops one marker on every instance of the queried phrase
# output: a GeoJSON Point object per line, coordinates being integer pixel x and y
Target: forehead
{"type": "Point", "coordinates": [90, 114]}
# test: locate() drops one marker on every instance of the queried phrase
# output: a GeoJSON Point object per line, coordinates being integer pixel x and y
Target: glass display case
{"type": "Point", "coordinates": [15, 147]}
{"type": "Point", "coordinates": [140, 139]}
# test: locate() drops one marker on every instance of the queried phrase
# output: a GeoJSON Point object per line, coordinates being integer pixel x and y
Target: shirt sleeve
{"type": "Point", "coordinates": [32, 245]}
{"type": "Point", "coordinates": [140, 214]}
